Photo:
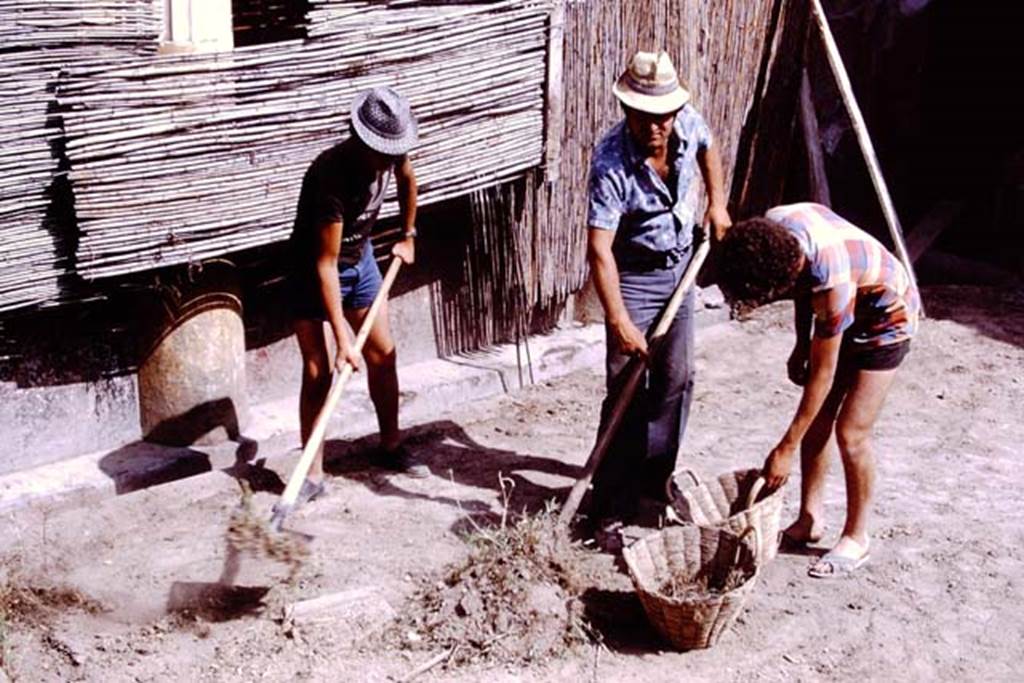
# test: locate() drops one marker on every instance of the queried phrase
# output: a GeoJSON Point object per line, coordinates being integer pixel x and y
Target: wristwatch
{"type": "Point", "coordinates": [411, 232]}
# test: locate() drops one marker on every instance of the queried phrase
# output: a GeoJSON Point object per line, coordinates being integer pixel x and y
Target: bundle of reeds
{"type": "Point", "coordinates": [179, 158]}
{"type": "Point", "coordinates": [112, 23]}
{"type": "Point", "coordinates": [37, 39]}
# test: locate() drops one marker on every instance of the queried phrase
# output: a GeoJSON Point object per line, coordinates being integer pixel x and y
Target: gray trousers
{"type": "Point", "coordinates": [643, 454]}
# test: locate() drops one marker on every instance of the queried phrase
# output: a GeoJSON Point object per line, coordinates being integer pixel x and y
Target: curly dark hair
{"type": "Point", "coordinates": [759, 263]}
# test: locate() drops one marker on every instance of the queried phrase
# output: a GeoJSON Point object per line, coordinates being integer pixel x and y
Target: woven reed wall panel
{"type": "Point", "coordinates": [717, 48]}
{"type": "Point", "coordinates": [531, 246]}
{"type": "Point", "coordinates": [38, 38]}
{"type": "Point", "coordinates": [182, 158]}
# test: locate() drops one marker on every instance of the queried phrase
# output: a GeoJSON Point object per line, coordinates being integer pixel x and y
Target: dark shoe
{"type": "Point", "coordinates": [402, 461]}
{"type": "Point", "coordinates": [310, 491]}
{"type": "Point", "coordinates": [608, 535]}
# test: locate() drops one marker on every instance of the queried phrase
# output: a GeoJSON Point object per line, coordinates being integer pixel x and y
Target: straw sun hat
{"type": "Point", "coordinates": [651, 85]}
{"type": "Point", "coordinates": [382, 119]}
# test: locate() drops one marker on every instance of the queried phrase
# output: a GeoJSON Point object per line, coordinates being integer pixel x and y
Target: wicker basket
{"type": "Point", "coordinates": [730, 502]}
{"type": "Point", "coordinates": [685, 553]}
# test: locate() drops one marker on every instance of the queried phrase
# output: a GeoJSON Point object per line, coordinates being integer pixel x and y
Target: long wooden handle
{"type": "Point", "coordinates": [316, 438]}
{"type": "Point", "coordinates": [636, 371]}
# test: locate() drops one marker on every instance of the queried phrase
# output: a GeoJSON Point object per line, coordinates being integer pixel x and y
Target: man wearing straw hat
{"type": "Point", "coordinates": [642, 211]}
{"type": "Point", "coordinates": [334, 277]}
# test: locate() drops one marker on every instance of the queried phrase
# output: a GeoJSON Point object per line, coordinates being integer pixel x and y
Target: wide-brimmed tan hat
{"type": "Point", "coordinates": [650, 84]}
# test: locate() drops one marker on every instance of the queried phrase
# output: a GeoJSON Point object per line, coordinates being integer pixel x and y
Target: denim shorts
{"type": "Point", "coordinates": [359, 285]}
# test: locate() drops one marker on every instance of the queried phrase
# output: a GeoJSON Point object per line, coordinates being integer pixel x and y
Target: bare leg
{"type": "Point", "coordinates": [316, 382]}
{"type": "Point", "coordinates": [381, 373]}
{"type": "Point", "coordinates": [853, 434]}
{"type": "Point", "coordinates": [815, 453]}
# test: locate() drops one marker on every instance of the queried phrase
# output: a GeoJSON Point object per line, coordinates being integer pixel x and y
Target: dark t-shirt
{"type": "Point", "coordinates": [336, 188]}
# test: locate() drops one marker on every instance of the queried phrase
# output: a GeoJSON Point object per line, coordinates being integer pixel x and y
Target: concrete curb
{"type": "Point", "coordinates": [274, 426]}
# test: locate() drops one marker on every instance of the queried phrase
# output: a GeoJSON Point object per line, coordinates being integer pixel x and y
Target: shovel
{"type": "Point", "coordinates": [316, 438]}
{"type": "Point", "coordinates": [636, 372]}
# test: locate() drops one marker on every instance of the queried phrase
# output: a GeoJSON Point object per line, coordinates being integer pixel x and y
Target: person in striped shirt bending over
{"type": "Point", "coordinates": [856, 310]}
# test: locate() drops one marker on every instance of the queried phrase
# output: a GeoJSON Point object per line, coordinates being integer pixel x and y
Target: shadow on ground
{"type": "Point", "coordinates": [452, 454]}
{"type": "Point", "coordinates": [619, 618]}
{"type": "Point", "coordinates": [142, 464]}
{"type": "Point", "coordinates": [986, 309]}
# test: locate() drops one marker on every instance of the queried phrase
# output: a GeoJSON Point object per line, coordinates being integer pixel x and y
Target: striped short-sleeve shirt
{"type": "Point", "coordinates": [858, 287]}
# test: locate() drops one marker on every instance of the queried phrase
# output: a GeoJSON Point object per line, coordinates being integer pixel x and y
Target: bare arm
{"type": "Point", "coordinates": [717, 216]}
{"type": "Point", "coordinates": [328, 248]}
{"type": "Point", "coordinates": [405, 179]}
{"type": "Point", "coordinates": [823, 361]}
{"type": "Point", "coordinates": [606, 280]}
{"type": "Point", "coordinates": [798, 360]}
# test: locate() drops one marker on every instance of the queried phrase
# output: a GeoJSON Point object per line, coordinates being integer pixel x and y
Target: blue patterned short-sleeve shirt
{"type": "Point", "coordinates": [628, 196]}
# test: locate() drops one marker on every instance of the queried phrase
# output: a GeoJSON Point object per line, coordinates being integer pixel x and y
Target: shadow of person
{"type": "Point", "coordinates": [787, 547]}
{"type": "Point", "coordinates": [452, 454]}
{"type": "Point", "coordinates": [253, 470]}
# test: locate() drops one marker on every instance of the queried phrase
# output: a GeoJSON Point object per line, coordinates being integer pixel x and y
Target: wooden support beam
{"type": "Point", "coordinates": [924, 234]}
{"type": "Point", "coordinates": [867, 148]}
{"type": "Point", "coordinates": [818, 179]}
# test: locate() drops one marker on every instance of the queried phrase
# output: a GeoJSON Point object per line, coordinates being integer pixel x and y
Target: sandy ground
{"type": "Point", "coordinates": [940, 600]}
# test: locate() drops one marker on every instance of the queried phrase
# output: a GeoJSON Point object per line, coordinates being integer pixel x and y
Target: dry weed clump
{"type": "Point", "coordinates": [705, 584]}
{"type": "Point", "coordinates": [26, 601]}
{"type": "Point", "coordinates": [515, 599]}
{"type": "Point", "coordinates": [248, 532]}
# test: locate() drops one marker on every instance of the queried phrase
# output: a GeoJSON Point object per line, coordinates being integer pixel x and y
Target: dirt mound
{"type": "Point", "coordinates": [515, 599]}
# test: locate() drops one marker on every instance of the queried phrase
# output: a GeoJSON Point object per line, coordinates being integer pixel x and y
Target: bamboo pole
{"type": "Point", "coordinates": [835, 61]}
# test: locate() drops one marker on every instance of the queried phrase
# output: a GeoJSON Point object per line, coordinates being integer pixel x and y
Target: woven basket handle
{"type": "Point", "coordinates": [754, 490]}
{"type": "Point", "coordinates": [757, 544]}
{"type": "Point", "coordinates": [692, 475]}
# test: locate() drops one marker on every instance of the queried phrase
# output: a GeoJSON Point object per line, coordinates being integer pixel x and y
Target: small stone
{"type": "Point", "coordinates": [469, 604]}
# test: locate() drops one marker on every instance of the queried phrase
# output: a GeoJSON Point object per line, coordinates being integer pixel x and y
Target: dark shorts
{"type": "Point", "coordinates": [887, 357]}
{"type": "Point", "coordinates": [359, 285]}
